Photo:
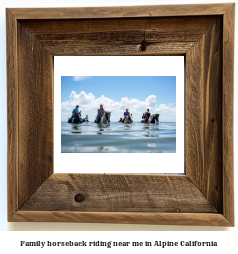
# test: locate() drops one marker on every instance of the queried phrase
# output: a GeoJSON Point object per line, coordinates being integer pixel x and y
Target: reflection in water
{"type": "Point", "coordinates": [151, 136]}
{"type": "Point", "coordinates": [103, 148]}
{"type": "Point", "coordinates": [118, 138]}
{"type": "Point", "coordinates": [154, 128]}
{"type": "Point", "coordinates": [151, 145]}
{"type": "Point", "coordinates": [76, 126]}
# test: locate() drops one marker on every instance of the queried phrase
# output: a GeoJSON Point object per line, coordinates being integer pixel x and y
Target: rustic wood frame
{"type": "Point", "coordinates": [204, 34]}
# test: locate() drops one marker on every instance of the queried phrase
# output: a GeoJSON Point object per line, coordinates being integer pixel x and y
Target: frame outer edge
{"type": "Point", "coordinates": [189, 219]}
{"type": "Point", "coordinates": [12, 94]}
{"type": "Point", "coordinates": [227, 114]}
{"type": "Point", "coordinates": [12, 116]}
{"type": "Point", "coordinates": [121, 11]}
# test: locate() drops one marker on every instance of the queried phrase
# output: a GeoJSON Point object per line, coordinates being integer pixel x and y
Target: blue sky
{"type": "Point", "coordinates": [116, 93]}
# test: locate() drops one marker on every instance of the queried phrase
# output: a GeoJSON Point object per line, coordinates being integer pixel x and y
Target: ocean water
{"type": "Point", "coordinates": [118, 137]}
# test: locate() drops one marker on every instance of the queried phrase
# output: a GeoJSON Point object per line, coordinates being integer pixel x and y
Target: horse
{"type": "Point", "coordinates": [152, 119]}
{"type": "Point", "coordinates": [75, 119]}
{"type": "Point", "coordinates": [105, 118]}
{"type": "Point", "coordinates": [85, 120]}
{"type": "Point", "coordinates": [128, 119]}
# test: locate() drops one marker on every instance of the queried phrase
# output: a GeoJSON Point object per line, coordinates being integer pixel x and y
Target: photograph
{"type": "Point", "coordinates": [118, 114]}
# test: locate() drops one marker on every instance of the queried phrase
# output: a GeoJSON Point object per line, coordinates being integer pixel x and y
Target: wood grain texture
{"type": "Point", "coordinates": [35, 114]}
{"type": "Point", "coordinates": [227, 113]}
{"type": "Point", "coordinates": [203, 119]}
{"type": "Point", "coordinates": [189, 26]}
{"type": "Point", "coordinates": [12, 114]}
{"type": "Point", "coordinates": [174, 36]}
{"type": "Point", "coordinates": [115, 49]}
{"type": "Point", "coordinates": [115, 12]}
{"type": "Point", "coordinates": [114, 193]}
{"type": "Point", "coordinates": [192, 219]}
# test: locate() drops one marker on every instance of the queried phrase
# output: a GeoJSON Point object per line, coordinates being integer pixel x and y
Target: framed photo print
{"type": "Point", "coordinates": [121, 178]}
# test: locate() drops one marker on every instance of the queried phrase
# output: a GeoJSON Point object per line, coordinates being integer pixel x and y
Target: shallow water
{"type": "Point", "coordinates": [118, 138]}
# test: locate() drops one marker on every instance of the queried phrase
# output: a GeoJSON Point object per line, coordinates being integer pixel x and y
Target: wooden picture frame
{"type": "Point", "coordinates": [204, 34]}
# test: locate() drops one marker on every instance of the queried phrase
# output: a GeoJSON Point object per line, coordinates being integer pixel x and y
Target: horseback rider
{"type": "Point", "coordinates": [75, 112]}
{"type": "Point", "coordinates": [127, 113]}
{"type": "Point", "coordinates": [86, 118]}
{"type": "Point", "coordinates": [101, 112]}
{"type": "Point", "coordinates": [147, 115]}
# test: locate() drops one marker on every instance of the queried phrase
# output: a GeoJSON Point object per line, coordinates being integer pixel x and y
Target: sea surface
{"type": "Point", "coordinates": [118, 137]}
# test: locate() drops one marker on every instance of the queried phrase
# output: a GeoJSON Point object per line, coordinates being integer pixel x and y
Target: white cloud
{"type": "Point", "coordinates": [88, 102]}
{"type": "Point", "coordinates": [91, 103]}
{"type": "Point", "coordinates": [80, 78]}
{"type": "Point", "coordinates": [163, 108]}
{"type": "Point", "coordinates": [82, 97]}
{"type": "Point", "coordinates": [151, 101]}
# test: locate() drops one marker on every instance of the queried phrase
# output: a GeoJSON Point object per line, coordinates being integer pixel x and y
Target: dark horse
{"type": "Point", "coordinates": [76, 118]}
{"type": "Point", "coordinates": [152, 119]}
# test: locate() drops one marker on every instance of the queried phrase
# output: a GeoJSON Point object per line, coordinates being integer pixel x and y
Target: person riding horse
{"type": "Point", "coordinates": [100, 114]}
{"type": "Point", "coordinates": [75, 111]}
{"type": "Point", "coordinates": [86, 119]}
{"type": "Point", "coordinates": [126, 113]}
{"type": "Point", "coordinates": [147, 115]}
{"type": "Point", "coordinates": [153, 118]}
{"type": "Point", "coordinates": [76, 116]}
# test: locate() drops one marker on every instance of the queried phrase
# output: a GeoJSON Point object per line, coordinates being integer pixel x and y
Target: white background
{"type": "Point", "coordinates": [120, 66]}
{"type": "Point", "coordinates": [10, 240]}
